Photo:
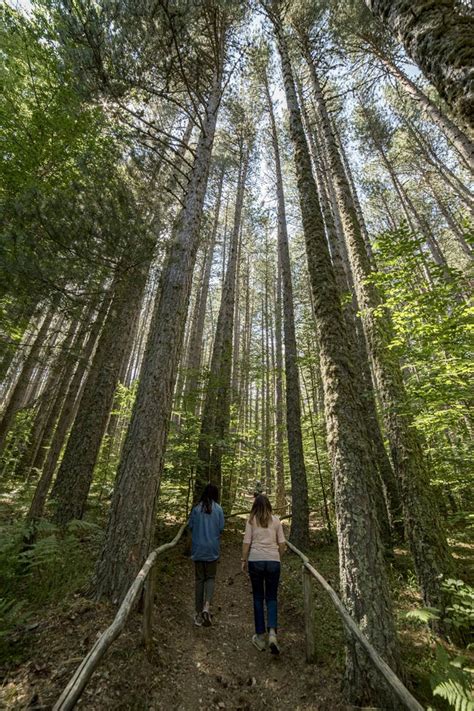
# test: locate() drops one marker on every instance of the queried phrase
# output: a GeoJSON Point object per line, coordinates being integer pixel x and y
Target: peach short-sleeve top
{"type": "Point", "coordinates": [264, 541]}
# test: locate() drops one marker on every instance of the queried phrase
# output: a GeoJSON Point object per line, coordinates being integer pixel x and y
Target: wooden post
{"type": "Point", "coordinates": [308, 615]}
{"type": "Point", "coordinates": [148, 610]}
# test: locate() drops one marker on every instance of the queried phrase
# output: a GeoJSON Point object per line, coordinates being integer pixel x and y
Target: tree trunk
{"type": "Point", "coordinates": [385, 481]}
{"type": "Point", "coordinates": [425, 272]}
{"type": "Point", "coordinates": [61, 371]}
{"type": "Point", "coordinates": [318, 462]}
{"type": "Point", "coordinates": [131, 522]}
{"type": "Point", "coordinates": [422, 524]}
{"type": "Point", "coordinates": [77, 467]}
{"type": "Point", "coordinates": [455, 136]}
{"type": "Point", "coordinates": [451, 179]}
{"type": "Point", "coordinates": [263, 383]}
{"type": "Point", "coordinates": [194, 360]}
{"type": "Point", "coordinates": [216, 410]}
{"type": "Point", "coordinates": [364, 584]}
{"type": "Point", "coordinates": [66, 416]}
{"type": "Point", "coordinates": [236, 336]}
{"type": "Point", "coordinates": [10, 349]}
{"type": "Point", "coordinates": [440, 41]}
{"type": "Point", "coordinates": [450, 221]}
{"type": "Point", "coordinates": [279, 402]}
{"type": "Point", "coordinates": [299, 533]}
{"type": "Point", "coordinates": [19, 391]}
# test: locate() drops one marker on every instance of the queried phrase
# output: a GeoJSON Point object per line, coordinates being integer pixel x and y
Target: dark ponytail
{"type": "Point", "coordinates": [210, 494]}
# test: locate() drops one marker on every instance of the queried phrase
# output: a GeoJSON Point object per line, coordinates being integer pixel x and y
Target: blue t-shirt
{"type": "Point", "coordinates": [206, 529]}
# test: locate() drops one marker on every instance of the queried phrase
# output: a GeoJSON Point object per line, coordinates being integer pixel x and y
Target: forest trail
{"type": "Point", "coordinates": [191, 668]}
{"type": "Point", "coordinates": [218, 667]}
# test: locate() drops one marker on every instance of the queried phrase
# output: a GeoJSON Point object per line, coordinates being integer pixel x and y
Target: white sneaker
{"type": "Point", "coordinates": [259, 642]}
{"type": "Point", "coordinates": [273, 644]}
{"type": "Point", "coordinates": [198, 619]}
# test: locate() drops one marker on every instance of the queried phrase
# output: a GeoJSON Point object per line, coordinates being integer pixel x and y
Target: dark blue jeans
{"type": "Point", "coordinates": [264, 576]}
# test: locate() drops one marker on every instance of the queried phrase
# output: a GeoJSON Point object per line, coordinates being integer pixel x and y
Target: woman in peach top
{"type": "Point", "coordinates": [264, 542]}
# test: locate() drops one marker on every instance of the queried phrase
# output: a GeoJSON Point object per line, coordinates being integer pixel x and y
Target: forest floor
{"type": "Point", "coordinates": [197, 668]}
{"type": "Point", "coordinates": [191, 668]}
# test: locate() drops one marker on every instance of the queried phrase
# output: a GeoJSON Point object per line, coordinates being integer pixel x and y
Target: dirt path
{"type": "Point", "coordinates": [191, 668]}
{"type": "Point", "coordinates": [218, 667]}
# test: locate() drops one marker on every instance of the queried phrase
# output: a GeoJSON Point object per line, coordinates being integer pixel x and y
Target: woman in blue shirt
{"type": "Point", "coordinates": [206, 524]}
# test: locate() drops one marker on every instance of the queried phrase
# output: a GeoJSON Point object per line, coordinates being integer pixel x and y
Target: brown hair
{"type": "Point", "coordinates": [261, 511]}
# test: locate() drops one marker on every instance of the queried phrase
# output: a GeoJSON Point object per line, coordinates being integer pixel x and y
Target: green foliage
{"type": "Point", "coordinates": [451, 678]}
{"type": "Point", "coordinates": [66, 195]}
{"type": "Point", "coordinates": [17, 438]}
{"type": "Point", "coordinates": [458, 612]}
{"type": "Point", "coordinates": [460, 608]}
{"type": "Point", "coordinates": [33, 576]}
{"type": "Point", "coordinates": [108, 459]}
{"type": "Point", "coordinates": [452, 681]}
{"type": "Point", "coordinates": [432, 327]}
{"type": "Point", "coordinates": [11, 614]}
{"type": "Point", "coordinates": [46, 571]}
{"type": "Point", "coordinates": [423, 614]}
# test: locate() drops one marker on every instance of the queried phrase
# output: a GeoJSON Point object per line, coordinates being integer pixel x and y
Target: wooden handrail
{"type": "Point", "coordinates": [86, 668]}
{"type": "Point", "coordinates": [398, 687]}
{"type": "Point", "coordinates": [84, 671]}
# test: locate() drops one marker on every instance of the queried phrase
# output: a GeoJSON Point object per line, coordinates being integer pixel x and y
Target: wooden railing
{"type": "Point", "coordinates": [89, 664]}
{"type": "Point", "coordinates": [146, 577]}
{"type": "Point", "coordinates": [309, 572]}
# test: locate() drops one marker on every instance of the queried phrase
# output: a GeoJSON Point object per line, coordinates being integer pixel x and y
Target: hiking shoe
{"type": "Point", "coordinates": [206, 618]}
{"type": "Point", "coordinates": [198, 619]}
{"type": "Point", "coordinates": [259, 642]}
{"type": "Point", "coordinates": [273, 644]}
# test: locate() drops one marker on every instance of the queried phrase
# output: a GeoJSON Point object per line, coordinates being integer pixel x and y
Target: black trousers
{"type": "Point", "coordinates": [205, 573]}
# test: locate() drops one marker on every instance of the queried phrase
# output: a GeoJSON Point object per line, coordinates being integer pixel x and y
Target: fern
{"type": "Point", "coordinates": [455, 694]}
{"type": "Point", "coordinates": [424, 614]}
{"type": "Point", "coordinates": [11, 615]}
{"type": "Point", "coordinates": [451, 681]}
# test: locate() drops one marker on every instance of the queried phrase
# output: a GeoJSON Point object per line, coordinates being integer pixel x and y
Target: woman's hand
{"type": "Point", "coordinates": [243, 566]}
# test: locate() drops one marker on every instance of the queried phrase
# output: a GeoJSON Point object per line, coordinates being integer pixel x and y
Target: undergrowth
{"type": "Point", "coordinates": [60, 564]}
{"type": "Point", "coordinates": [33, 577]}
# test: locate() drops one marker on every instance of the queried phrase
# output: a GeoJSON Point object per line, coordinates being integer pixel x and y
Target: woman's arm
{"type": "Point", "coordinates": [281, 539]}
{"type": "Point", "coordinates": [247, 542]}
{"type": "Point", "coordinates": [245, 555]}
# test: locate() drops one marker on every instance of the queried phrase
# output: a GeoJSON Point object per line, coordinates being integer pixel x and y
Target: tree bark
{"type": "Point", "coordinates": [299, 533]}
{"type": "Point", "coordinates": [216, 409]}
{"type": "Point", "coordinates": [65, 418]}
{"type": "Point", "coordinates": [364, 584]}
{"type": "Point", "coordinates": [443, 207]}
{"type": "Point", "coordinates": [385, 482]}
{"type": "Point", "coordinates": [440, 41]}
{"type": "Point", "coordinates": [130, 527]}
{"type": "Point", "coordinates": [422, 522]}
{"type": "Point", "coordinates": [458, 139]}
{"type": "Point", "coordinates": [61, 371]}
{"type": "Point", "coordinates": [77, 467]}
{"type": "Point", "coordinates": [279, 401]}
{"type": "Point", "coordinates": [194, 360]}
{"type": "Point", "coordinates": [318, 462]}
{"type": "Point", "coordinates": [19, 391]}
